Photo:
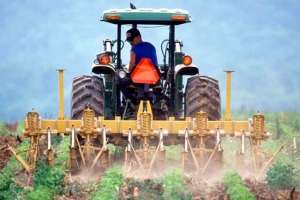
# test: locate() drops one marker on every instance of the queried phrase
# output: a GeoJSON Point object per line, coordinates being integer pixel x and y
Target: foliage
{"type": "Point", "coordinates": [8, 188]}
{"type": "Point", "coordinates": [174, 187]}
{"type": "Point", "coordinates": [49, 180]}
{"type": "Point", "coordinates": [40, 192]}
{"type": "Point", "coordinates": [235, 187]}
{"type": "Point", "coordinates": [282, 176]}
{"type": "Point", "coordinates": [109, 185]}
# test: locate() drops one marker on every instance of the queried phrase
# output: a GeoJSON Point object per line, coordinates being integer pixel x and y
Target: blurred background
{"type": "Point", "coordinates": [259, 40]}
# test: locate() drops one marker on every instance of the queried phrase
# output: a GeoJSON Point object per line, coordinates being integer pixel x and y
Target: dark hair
{"type": "Point", "coordinates": [132, 33]}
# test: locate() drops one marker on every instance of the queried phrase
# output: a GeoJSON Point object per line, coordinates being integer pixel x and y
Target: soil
{"type": "Point", "coordinates": [201, 189]}
{"type": "Point", "coordinates": [141, 189]}
{"type": "Point", "coordinates": [12, 127]}
{"type": "Point", "coordinates": [262, 192]}
{"type": "Point", "coordinates": [4, 153]}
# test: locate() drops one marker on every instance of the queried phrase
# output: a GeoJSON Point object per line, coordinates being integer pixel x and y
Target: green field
{"type": "Point", "coordinates": [50, 182]}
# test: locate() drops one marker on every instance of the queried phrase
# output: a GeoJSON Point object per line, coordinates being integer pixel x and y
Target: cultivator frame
{"type": "Point", "coordinates": [193, 130]}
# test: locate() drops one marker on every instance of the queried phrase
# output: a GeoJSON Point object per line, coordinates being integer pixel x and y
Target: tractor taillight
{"type": "Point", "coordinates": [187, 60]}
{"type": "Point", "coordinates": [112, 17]}
{"type": "Point", "coordinates": [178, 18]}
{"type": "Point", "coordinates": [103, 59]}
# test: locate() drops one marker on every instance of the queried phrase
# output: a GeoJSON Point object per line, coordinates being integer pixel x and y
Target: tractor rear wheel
{"type": "Point", "coordinates": [202, 94]}
{"type": "Point", "coordinates": [87, 91]}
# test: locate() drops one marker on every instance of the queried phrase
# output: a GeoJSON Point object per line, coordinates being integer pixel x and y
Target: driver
{"type": "Point", "coordinates": [143, 67]}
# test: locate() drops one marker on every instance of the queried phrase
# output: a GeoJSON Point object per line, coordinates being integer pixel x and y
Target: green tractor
{"type": "Point", "coordinates": [102, 91]}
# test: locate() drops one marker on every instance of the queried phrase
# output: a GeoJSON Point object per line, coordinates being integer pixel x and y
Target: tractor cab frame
{"type": "Point", "coordinates": [171, 70]}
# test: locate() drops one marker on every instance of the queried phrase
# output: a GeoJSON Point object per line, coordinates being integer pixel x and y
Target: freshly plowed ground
{"type": "Point", "coordinates": [4, 153]}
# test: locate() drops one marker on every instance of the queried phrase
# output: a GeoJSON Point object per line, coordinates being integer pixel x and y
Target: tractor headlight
{"type": "Point", "coordinates": [122, 74]}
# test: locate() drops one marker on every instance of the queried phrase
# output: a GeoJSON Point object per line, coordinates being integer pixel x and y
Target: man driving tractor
{"type": "Point", "coordinates": [143, 66]}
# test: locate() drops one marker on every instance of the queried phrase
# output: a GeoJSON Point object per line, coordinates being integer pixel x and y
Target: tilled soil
{"type": "Point", "coordinates": [141, 189]}
{"type": "Point", "coordinates": [4, 153]}
{"type": "Point", "coordinates": [200, 189]}
{"type": "Point", "coordinates": [263, 192]}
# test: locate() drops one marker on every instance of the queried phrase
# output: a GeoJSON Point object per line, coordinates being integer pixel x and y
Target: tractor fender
{"type": "Point", "coordinates": [103, 69]}
{"type": "Point", "coordinates": [182, 69]}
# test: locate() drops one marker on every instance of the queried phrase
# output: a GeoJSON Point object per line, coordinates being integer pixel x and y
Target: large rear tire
{"type": "Point", "coordinates": [87, 91]}
{"type": "Point", "coordinates": [202, 94]}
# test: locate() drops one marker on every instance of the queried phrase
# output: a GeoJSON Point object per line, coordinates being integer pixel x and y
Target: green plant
{"type": "Point", "coordinates": [41, 192]}
{"type": "Point", "coordinates": [8, 188]}
{"type": "Point", "coordinates": [174, 187]}
{"type": "Point", "coordinates": [49, 180]}
{"type": "Point", "coordinates": [235, 187]}
{"type": "Point", "coordinates": [282, 176]}
{"type": "Point", "coordinates": [109, 185]}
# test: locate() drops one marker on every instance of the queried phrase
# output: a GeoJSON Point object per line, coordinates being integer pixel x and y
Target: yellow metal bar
{"type": "Point", "coordinates": [61, 114]}
{"type": "Point", "coordinates": [227, 116]}
{"type": "Point", "coordinates": [90, 125]}
{"type": "Point", "coordinates": [122, 126]}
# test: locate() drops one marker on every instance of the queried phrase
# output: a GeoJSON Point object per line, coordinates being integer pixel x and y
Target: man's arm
{"type": "Point", "coordinates": [131, 61]}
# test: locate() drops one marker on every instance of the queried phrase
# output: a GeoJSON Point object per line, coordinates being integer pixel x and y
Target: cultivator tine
{"type": "Point", "coordinates": [136, 156]}
{"type": "Point", "coordinates": [269, 162]}
{"type": "Point", "coordinates": [243, 142]}
{"type": "Point", "coordinates": [129, 139]}
{"type": "Point", "coordinates": [49, 138]}
{"type": "Point", "coordinates": [186, 137]}
{"type": "Point", "coordinates": [160, 147]}
{"type": "Point", "coordinates": [191, 150]}
{"type": "Point", "coordinates": [104, 148]}
{"type": "Point", "coordinates": [72, 137]}
{"type": "Point", "coordinates": [97, 157]}
{"type": "Point", "coordinates": [50, 153]}
{"type": "Point", "coordinates": [104, 140]}
{"type": "Point", "coordinates": [130, 150]}
{"type": "Point", "coordinates": [294, 144]}
{"type": "Point", "coordinates": [210, 157]}
{"type": "Point", "coordinates": [253, 155]}
{"type": "Point", "coordinates": [153, 158]}
{"type": "Point", "coordinates": [161, 137]}
{"type": "Point", "coordinates": [218, 139]}
{"type": "Point", "coordinates": [80, 152]}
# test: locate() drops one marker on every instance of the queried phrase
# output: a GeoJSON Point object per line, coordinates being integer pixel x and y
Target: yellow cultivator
{"type": "Point", "coordinates": [144, 139]}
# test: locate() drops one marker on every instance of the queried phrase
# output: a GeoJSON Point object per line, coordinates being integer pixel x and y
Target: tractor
{"type": "Point", "coordinates": [104, 91]}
